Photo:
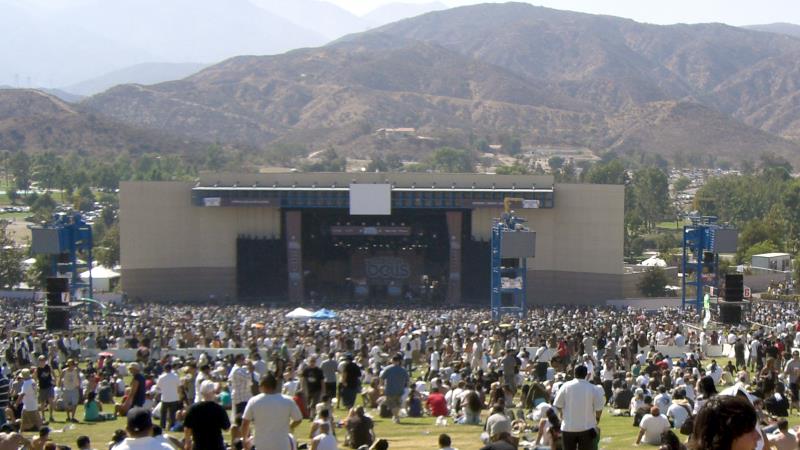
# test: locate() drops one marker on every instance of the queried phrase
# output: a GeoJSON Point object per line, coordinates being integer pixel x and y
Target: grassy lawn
{"type": "Point", "coordinates": [14, 215]}
{"type": "Point", "coordinates": [616, 432]}
{"type": "Point", "coordinates": [670, 225]}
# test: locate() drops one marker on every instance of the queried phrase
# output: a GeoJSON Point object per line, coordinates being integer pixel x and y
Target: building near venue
{"type": "Point", "coordinates": [363, 237]}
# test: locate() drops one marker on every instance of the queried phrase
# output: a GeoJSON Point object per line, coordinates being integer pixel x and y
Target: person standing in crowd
{"type": "Point", "coordinates": [46, 384]}
{"type": "Point", "coordinates": [581, 405]}
{"type": "Point", "coordinates": [205, 421]}
{"type": "Point", "coordinates": [351, 382]}
{"type": "Point", "coordinates": [138, 393]}
{"type": "Point", "coordinates": [312, 383]}
{"type": "Point", "coordinates": [240, 381]}
{"type": "Point", "coordinates": [168, 384]}
{"type": "Point", "coordinates": [31, 418]}
{"type": "Point", "coordinates": [203, 375]}
{"type": "Point", "coordinates": [395, 380]}
{"type": "Point", "coordinates": [272, 417]}
{"type": "Point", "coordinates": [792, 371]}
{"type": "Point", "coordinates": [140, 433]}
{"type": "Point", "coordinates": [510, 364]}
{"type": "Point", "coordinates": [70, 384]}
{"type": "Point", "coordinates": [329, 367]}
{"type": "Point", "coordinates": [5, 396]}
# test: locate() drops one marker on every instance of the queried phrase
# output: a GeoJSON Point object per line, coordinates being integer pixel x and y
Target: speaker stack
{"type": "Point", "coordinates": [730, 309]}
{"type": "Point", "coordinates": [56, 313]}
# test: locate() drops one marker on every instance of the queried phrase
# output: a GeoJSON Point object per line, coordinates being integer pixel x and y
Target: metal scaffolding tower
{"type": "Point", "coordinates": [700, 258]}
{"type": "Point", "coordinates": [512, 244]}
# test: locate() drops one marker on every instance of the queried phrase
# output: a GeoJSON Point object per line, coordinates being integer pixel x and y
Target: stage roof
{"type": "Point", "coordinates": [399, 181]}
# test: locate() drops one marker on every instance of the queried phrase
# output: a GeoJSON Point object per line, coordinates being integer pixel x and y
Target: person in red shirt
{"type": "Point", "coordinates": [436, 403]}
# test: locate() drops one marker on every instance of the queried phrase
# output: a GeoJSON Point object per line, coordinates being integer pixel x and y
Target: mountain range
{"type": "Point", "coordinates": [86, 39]}
{"type": "Point", "coordinates": [548, 77]}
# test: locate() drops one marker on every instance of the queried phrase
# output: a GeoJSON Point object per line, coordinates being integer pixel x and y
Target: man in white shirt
{"type": "Point", "coordinates": [240, 381]}
{"type": "Point", "coordinates": [581, 405]}
{"type": "Point", "coordinates": [140, 432]}
{"type": "Point", "coordinates": [168, 384]}
{"type": "Point", "coordinates": [651, 427]}
{"type": "Point", "coordinates": [272, 415]}
{"type": "Point", "coordinates": [324, 440]}
{"type": "Point", "coordinates": [31, 419]}
{"type": "Point", "coordinates": [435, 359]}
{"type": "Point", "coordinates": [679, 410]}
{"type": "Point", "coordinates": [663, 399]}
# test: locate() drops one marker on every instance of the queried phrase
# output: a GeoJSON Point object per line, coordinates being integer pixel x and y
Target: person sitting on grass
{"type": "Point", "coordinates": [93, 410]}
{"type": "Point", "coordinates": [359, 428]}
{"type": "Point", "coordinates": [39, 441]}
{"type": "Point", "coordinates": [445, 442]}
{"type": "Point", "coordinates": [84, 443]}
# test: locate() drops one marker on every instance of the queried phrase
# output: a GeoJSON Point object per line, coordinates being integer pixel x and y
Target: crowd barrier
{"type": "Point", "coordinates": [674, 351]}
{"type": "Point", "coordinates": [129, 354]}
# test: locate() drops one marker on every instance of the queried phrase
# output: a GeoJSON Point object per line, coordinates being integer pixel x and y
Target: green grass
{"type": "Point", "coordinates": [670, 225]}
{"type": "Point", "coordinates": [14, 215]}
{"type": "Point", "coordinates": [616, 432]}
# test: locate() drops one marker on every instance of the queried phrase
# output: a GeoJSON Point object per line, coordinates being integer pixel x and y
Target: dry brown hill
{"type": "Point", "coordinates": [33, 120]}
{"type": "Point", "coordinates": [545, 76]}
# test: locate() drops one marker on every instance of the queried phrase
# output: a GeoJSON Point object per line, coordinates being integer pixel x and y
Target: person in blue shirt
{"type": "Point", "coordinates": [395, 380]}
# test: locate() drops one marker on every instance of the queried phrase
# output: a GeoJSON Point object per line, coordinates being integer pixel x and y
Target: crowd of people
{"type": "Point", "coordinates": [542, 381]}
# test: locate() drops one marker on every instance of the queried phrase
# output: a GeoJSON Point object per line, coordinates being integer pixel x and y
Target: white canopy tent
{"type": "Point", "coordinates": [102, 278]}
{"type": "Point", "coordinates": [299, 313]}
{"type": "Point", "coordinates": [653, 261]}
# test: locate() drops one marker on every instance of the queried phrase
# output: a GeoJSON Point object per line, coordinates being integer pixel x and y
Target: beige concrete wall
{"type": "Point", "coordinates": [583, 233]}
{"type": "Point", "coordinates": [173, 251]}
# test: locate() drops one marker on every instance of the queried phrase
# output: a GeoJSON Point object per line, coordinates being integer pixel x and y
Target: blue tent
{"type": "Point", "coordinates": [324, 314]}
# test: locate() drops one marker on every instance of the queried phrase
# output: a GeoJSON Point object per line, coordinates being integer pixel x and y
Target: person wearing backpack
{"type": "Point", "coordinates": [680, 411]}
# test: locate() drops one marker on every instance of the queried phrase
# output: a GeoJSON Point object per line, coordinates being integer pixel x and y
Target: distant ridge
{"type": "Point", "coordinates": [487, 72]}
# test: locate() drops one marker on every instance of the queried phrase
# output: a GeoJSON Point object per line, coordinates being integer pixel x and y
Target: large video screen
{"type": "Point", "coordinates": [370, 199]}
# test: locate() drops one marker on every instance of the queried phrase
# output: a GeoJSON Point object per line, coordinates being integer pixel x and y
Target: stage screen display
{"type": "Point", "coordinates": [370, 199]}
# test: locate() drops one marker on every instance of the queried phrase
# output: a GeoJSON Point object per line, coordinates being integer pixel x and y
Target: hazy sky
{"type": "Point", "coordinates": [733, 12]}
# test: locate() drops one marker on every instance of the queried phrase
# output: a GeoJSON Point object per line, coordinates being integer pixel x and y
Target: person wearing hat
{"type": "Point", "coordinates": [137, 396]}
{"type": "Point", "coordinates": [205, 421]}
{"type": "Point", "coordinates": [140, 433]}
{"type": "Point", "coordinates": [31, 419]}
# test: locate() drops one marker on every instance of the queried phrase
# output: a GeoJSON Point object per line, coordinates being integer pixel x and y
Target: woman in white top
{"type": "Point", "coordinates": [637, 401]}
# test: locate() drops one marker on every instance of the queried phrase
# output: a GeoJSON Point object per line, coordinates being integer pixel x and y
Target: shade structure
{"type": "Point", "coordinates": [324, 314]}
{"type": "Point", "coordinates": [299, 313]}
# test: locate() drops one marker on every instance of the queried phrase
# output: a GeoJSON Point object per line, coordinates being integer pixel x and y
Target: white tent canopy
{"type": "Point", "coordinates": [299, 313]}
{"type": "Point", "coordinates": [101, 278]}
{"type": "Point", "coordinates": [653, 261]}
{"type": "Point", "coordinates": [99, 272]}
